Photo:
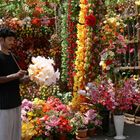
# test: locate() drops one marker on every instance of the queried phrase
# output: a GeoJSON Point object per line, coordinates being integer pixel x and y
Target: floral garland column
{"type": "Point", "coordinates": [79, 78]}
{"type": "Point", "coordinates": [72, 37]}
{"type": "Point", "coordinates": [64, 43]}
{"type": "Point", "coordinates": [84, 52]}
{"type": "Point", "coordinates": [80, 73]}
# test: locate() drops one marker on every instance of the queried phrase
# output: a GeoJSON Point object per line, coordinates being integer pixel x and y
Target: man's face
{"type": "Point", "coordinates": [9, 42]}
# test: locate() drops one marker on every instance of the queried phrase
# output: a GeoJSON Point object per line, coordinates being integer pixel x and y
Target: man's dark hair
{"type": "Point", "coordinates": [6, 32]}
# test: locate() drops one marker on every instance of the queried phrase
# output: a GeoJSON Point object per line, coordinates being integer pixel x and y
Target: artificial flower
{"type": "Point", "coordinates": [90, 20]}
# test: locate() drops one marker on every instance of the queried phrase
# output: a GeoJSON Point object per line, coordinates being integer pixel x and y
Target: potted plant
{"type": "Point", "coordinates": [94, 120]}
{"type": "Point", "coordinates": [78, 123]}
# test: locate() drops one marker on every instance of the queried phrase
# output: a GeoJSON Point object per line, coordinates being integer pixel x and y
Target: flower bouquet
{"type": "Point", "coordinates": [93, 118]}
{"type": "Point", "coordinates": [43, 119]}
{"type": "Point", "coordinates": [118, 97]}
{"type": "Point", "coordinates": [111, 56]}
{"type": "Point", "coordinates": [42, 71]}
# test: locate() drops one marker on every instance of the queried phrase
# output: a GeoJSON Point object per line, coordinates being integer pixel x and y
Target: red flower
{"type": "Point", "coordinates": [36, 21]}
{"type": "Point", "coordinates": [90, 20]}
{"type": "Point", "coordinates": [109, 62]}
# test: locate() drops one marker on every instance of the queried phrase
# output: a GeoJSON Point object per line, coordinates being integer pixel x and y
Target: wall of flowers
{"type": "Point", "coordinates": [72, 50]}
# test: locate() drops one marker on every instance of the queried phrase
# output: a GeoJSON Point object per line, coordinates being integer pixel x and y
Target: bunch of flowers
{"type": "Point", "coordinates": [43, 118]}
{"type": "Point", "coordinates": [55, 120]}
{"type": "Point", "coordinates": [112, 24]}
{"type": "Point", "coordinates": [54, 123]}
{"type": "Point", "coordinates": [90, 119]}
{"type": "Point", "coordinates": [42, 71]}
{"type": "Point", "coordinates": [29, 114]}
{"type": "Point", "coordinates": [93, 118]}
{"type": "Point", "coordinates": [78, 121]}
{"type": "Point", "coordinates": [117, 98]}
{"type": "Point", "coordinates": [111, 56]}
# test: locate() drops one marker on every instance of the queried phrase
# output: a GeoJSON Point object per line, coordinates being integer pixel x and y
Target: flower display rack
{"type": "Point", "coordinates": [132, 60]}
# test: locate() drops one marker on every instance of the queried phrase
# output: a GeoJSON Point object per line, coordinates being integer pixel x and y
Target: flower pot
{"type": "Point", "coordinates": [119, 127]}
{"type": "Point", "coordinates": [62, 136]}
{"type": "Point", "coordinates": [91, 132]}
{"type": "Point", "coordinates": [81, 133]}
{"type": "Point", "coordinates": [85, 138]}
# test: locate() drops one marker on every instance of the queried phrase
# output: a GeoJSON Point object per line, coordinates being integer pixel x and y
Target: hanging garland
{"type": "Point", "coordinates": [72, 18]}
{"type": "Point", "coordinates": [79, 79]}
{"type": "Point", "coordinates": [64, 43]}
{"type": "Point", "coordinates": [90, 22]}
{"type": "Point", "coordinates": [87, 53]}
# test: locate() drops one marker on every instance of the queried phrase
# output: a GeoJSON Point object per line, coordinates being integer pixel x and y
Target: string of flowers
{"type": "Point", "coordinates": [79, 79]}
{"type": "Point", "coordinates": [90, 21]}
{"type": "Point", "coordinates": [64, 43]}
{"type": "Point", "coordinates": [72, 15]}
{"type": "Point", "coordinates": [98, 5]}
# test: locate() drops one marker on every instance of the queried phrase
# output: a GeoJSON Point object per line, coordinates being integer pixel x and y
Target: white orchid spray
{"type": "Point", "coordinates": [42, 71]}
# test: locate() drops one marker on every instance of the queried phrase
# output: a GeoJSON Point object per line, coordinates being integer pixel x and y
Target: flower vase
{"type": "Point", "coordinates": [119, 127]}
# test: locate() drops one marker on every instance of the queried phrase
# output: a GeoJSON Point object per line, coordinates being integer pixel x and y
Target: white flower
{"type": "Point", "coordinates": [107, 68]}
{"type": "Point", "coordinates": [111, 53]}
{"type": "Point", "coordinates": [82, 92]}
{"type": "Point", "coordinates": [42, 71]}
{"type": "Point", "coordinates": [101, 63]}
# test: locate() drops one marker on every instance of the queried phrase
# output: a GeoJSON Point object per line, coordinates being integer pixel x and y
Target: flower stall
{"type": "Point", "coordinates": [82, 57]}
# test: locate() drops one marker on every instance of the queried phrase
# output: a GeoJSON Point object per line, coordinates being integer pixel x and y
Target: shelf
{"type": "Point", "coordinates": [129, 68]}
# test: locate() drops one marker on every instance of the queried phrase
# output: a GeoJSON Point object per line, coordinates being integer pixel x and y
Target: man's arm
{"type": "Point", "coordinates": [11, 77]}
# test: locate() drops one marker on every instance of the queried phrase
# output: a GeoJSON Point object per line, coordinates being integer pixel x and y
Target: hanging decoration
{"type": "Point", "coordinates": [72, 21]}
{"type": "Point", "coordinates": [64, 43]}
{"type": "Point", "coordinates": [79, 78]}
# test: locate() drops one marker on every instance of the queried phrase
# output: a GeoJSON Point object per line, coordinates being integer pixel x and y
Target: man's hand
{"type": "Point", "coordinates": [21, 73]}
{"type": "Point", "coordinates": [14, 76]}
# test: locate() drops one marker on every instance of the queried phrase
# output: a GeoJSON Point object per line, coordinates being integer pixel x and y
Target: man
{"type": "Point", "coordinates": [10, 101]}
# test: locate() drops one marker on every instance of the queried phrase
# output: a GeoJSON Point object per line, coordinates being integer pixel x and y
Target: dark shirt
{"type": "Point", "coordinates": [9, 92]}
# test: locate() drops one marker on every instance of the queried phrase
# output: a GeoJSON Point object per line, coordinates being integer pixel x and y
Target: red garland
{"type": "Point", "coordinates": [71, 46]}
